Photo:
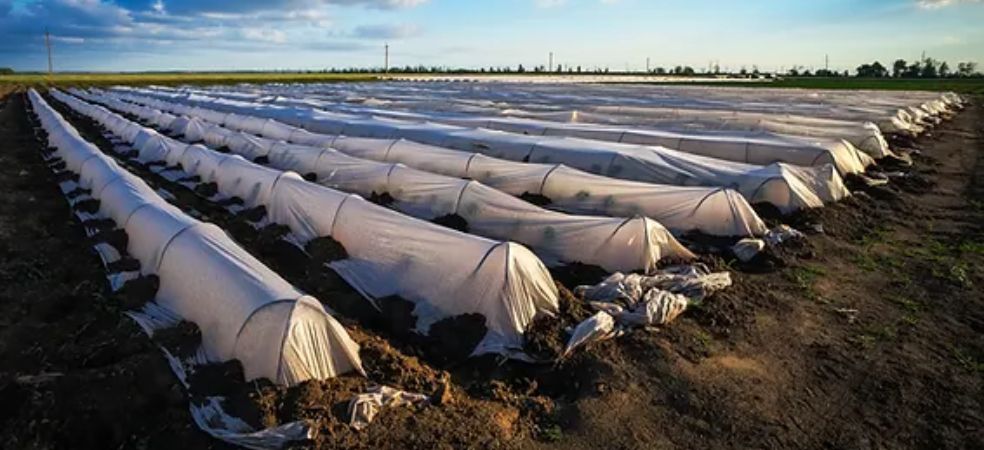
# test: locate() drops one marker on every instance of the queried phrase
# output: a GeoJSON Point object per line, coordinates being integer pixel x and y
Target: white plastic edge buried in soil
{"type": "Point", "coordinates": [445, 273]}
{"type": "Point", "coordinates": [243, 309]}
{"type": "Point", "coordinates": [615, 244]}
{"type": "Point", "coordinates": [713, 211]}
{"type": "Point", "coordinates": [752, 148]}
{"type": "Point", "coordinates": [787, 187]}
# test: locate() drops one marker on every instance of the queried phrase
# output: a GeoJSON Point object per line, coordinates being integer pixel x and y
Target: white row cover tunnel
{"type": "Point", "coordinates": [787, 187]}
{"type": "Point", "coordinates": [244, 310]}
{"type": "Point", "coordinates": [753, 148]}
{"type": "Point", "coordinates": [894, 112]}
{"type": "Point", "coordinates": [713, 211]}
{"type": "Point", "coordinates": [615, 244]}
{"type": "Point", "coordinates": [445, 273]}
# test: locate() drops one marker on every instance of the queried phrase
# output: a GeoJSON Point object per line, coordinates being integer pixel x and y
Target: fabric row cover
{"type": "Point", "coordinates": [443, 272]}
{"type": "Point", "coordinates": [787, 187]}
{"type": "Point", "coordinates": [894, 112]}
{"type": "Point", "coordinates": [615, 244]}
{"type": "Point", "coordinates": [753, 148]}
{"type": "Point", "coordinates": [864, 135]}
{"type": "Point", "coordinates": [713, 211]}
{"type": "Point", "coordinates": [244, 310]}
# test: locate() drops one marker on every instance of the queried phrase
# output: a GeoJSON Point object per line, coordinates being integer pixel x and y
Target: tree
{"type": "Point", "coordinates": [966, 69]}
{"type": "Point", "coordinates": [898, 68]}
{"type": "Point", "coordinates": [944, 70]}
{"type": "Point", "coordinates": [913, 70]}
{"type": "Point", "coordinates": [6, 71]}
{"type": "Point", "coordinates": [874, 70]}
{"type": "Point", "coordinates": [688, 70]}
{"type": "Point", "coordinates": [560, 68]}
{"type": "Point", "coordinates": [521, 69]}
{"type": "Point", "coordinates": [928, 68]}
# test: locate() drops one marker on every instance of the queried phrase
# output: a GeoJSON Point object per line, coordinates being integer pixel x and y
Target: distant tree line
{"type": "Point", "coordinates": [6, 71]}
{"type": "Point", "coordinates": [926, 68]}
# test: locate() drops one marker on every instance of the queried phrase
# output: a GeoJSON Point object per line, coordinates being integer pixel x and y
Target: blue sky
{"type": "Point", "coordinates": [620, 34]}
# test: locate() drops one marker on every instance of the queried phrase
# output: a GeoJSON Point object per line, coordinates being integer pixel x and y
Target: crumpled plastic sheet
{"type": "Point", "coordinates": [212, 419]}
{"type": "Point", "coordinates": [746, 249]}
{"type": "Point", "coordinates": [627, 301]}
{"type": "Point", "coordinates": [364, 407]}
{"type": "Point", "coordinates": [694, 281]}
{"type": "Point", "coordinates": [780, 234]}
{"type": "Point", "coordinates": [596, 328]}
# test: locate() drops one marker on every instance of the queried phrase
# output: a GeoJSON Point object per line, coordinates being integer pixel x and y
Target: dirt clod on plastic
{"type": "Point", "coordinates": [546, 336]}
{"type": "Point", "coordinates": [454, 339]}
{"type": "Point", "coordinates": [536, 199]}
{"type": "Point", "coordinates": [324, 250]}
{"type": "Point", "coordinates": [577, 274]}
{"type": "Point", "coordinates": [137, 292]}
{"type": "Point", "coordinates": [383, 199]}
{"type": "Point", "coordinates": [452, 221]}
{"type": "Point", "coordinates": [207, 190]}
{"type": "Point", "coordinates": [182, 340]}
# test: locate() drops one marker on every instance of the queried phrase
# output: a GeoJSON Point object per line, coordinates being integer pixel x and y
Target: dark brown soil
{"type": "Point", "coordinates": [324, 250]}
{"type": "Point", "coordinates": [536, 199]}
{"type": "Point", "coordinates": [452, 221]}
{"type": "Point", "coordinates": [868, 336]}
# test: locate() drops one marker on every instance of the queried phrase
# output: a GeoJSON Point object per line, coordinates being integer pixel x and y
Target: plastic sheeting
{"type": "Point", "coordinates": [893, 111]}
{"type": "Point", "coordinates": [443, 272]}
{"type": "Point", "coordinates": [714, 211]}
{"type": "Point", "coordinates": [612, 105]}
{"type": "Point", "coordinates": [787, 187]}
{"type": "Point", "coordinates": [633, 300]}
{"type": "Point", "coordinates": [615, 244]}
{"type": "Point", "coordinates": [243, 309]}
{"type": "Point", "coordinates": [753, 148]}
{"type": "Point", "coordinates": [865, 136]}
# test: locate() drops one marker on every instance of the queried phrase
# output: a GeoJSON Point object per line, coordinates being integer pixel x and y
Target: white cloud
{"type": "Point", "coordinates": [265, 35]}
{"type": "Point", "coordinates": [397, 31]}
{"type": "Point", "coordinates": [937, 4]}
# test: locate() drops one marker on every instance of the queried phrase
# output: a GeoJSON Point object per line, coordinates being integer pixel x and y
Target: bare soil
{"type": "Point", "coordinates": [867, 336]}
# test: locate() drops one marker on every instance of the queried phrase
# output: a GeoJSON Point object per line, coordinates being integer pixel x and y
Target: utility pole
{"type": "Point", "coordinates": [550, 66]}
{"type": "Point", "coordinates": [826, 63]}
{"type": "Point", "coordinates": [386, 58]}
{"type": "Point", "coordinates": [47, 43]}
{"type": "Point", "coordinates": [647, 64]}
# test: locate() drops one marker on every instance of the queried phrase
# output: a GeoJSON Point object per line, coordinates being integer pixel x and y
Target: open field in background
{"type": "Point", "coordinates": [960, 85]}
